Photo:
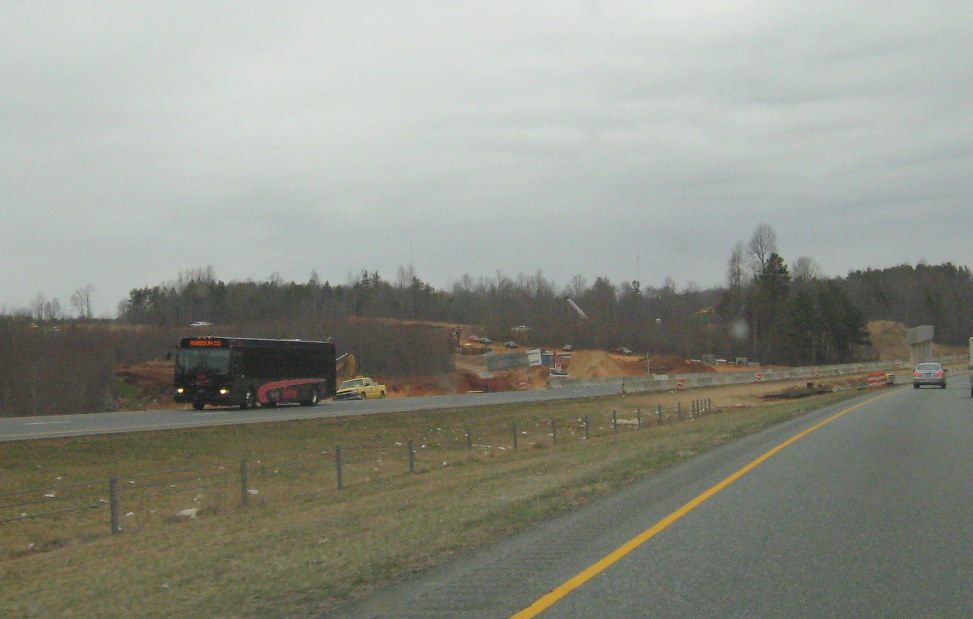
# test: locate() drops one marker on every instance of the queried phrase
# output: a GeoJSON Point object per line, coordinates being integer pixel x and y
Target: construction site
{"type": "Point", "coordinates": [149, 385]}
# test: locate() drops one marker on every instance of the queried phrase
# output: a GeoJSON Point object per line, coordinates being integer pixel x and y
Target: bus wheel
{"type": "Point", "coordinates": [198, 404]}
{"type": "Point", "coordinates": [247, 400]}
{"type": "Point", "coordinates": [312, 398]}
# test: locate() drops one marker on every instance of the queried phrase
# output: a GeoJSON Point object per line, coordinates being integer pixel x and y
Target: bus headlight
{"type": "Point", "coordinates": [224, 391]}
{"type": "Point", "coordinates": [180, 390]}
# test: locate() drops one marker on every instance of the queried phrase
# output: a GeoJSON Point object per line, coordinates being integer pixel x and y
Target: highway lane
{"type": "Point", "coordinates": [53, 426]}
{"type": "Point", "coordinates": [868, 515]}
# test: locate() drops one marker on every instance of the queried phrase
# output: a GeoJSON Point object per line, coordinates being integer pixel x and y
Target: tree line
{"type": "Point", "coordinates": [768, 310]}
{"type": "Point", "coordinates": [66, 368]}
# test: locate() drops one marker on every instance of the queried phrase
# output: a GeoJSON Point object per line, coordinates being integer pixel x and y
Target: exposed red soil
{"type": "Point", "coordinates": [150, 383]}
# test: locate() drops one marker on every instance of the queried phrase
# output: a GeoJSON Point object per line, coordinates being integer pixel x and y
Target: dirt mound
{"type": "Point", "coordinates": [593, 364]}
{"type": "Point", "coordinates": [466, 382]}
{"type": "Point", "coordinates": [888, 340]}
{"type": "Point", "coordinates": [426, 385]}
{"type": "Point", "coordinates": [581, 364]}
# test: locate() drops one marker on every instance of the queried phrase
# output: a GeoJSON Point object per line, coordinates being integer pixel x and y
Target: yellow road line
{"type": "Point", "coordinates": [562, 591]}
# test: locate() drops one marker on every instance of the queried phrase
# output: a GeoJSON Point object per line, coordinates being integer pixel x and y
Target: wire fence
{"type": "Point", "coordinates": [135, 502]}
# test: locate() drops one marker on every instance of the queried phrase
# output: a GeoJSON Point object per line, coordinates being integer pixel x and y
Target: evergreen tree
{"type": "Point", "coordinates": [843, 325]}
{"type": "Point", "coordinates": [800, 329]}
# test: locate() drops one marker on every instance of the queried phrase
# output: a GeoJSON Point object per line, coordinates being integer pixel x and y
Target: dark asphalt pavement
{"type": "Point", "coordinates": [867, 516]}
{"type": "Point", "coordinates": [53, 426]}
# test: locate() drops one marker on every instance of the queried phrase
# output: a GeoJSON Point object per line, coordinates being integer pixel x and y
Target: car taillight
{"type": "Point", "coordinates": [918, 374]}
{"type": "Point", "coordinates": [940, 373]}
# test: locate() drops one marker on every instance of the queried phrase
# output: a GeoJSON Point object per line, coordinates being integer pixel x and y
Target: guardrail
{"type": "Point", "coordinates": [671, 382]}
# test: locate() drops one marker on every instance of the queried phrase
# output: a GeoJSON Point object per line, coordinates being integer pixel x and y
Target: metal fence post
{"type": "Point", "coordinates": [554, 430]}
{"type": "Point", "coordinates": [469, 440]}
{"type": "Point", "coordinates": [587, 428]}
{"type": "Point", "coordinates": [658, 412]}
{"type": "Point", "coordinates": [412, 458]}
{"type": "Point", "coordinates": [638, 418]}
{"type": "Point", "coordinates": [514, 428]}
{"type": "Point", "coordinates": [614, 421]}
{"type": "Point", "coordinates": [340, 466]}
{"type": "Point", "coordinates": [116, 526]}
{"type": "Point", "coordinates": [244, 483]}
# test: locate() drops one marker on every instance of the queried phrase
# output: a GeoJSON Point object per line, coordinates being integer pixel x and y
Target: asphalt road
{"type": "Point", "coordinates": [867, 515]}
{"type": "Point", "coordinates": [53, 426]}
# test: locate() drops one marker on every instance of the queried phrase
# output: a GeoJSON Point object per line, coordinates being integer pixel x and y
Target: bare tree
{"type": "Point", "coordinates": [762, 244]}
{"type": "Point", "coordinates": [805, 269]}
{"type": "Point", "coordinates": [405, 276]}
{"type": "Point", "coordinates": [81, 301]}
{"type": "Point", "coordinates": [735, 273]}
{"type": "Point", "coordinates": [53, 309]}
{"type": "Point", "coordinates": [43, 308]}
{"type": "Point", "coordinates": [576, 287]}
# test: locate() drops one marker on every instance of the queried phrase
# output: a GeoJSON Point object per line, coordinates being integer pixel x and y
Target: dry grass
{"type": "Point", "coordinates": [303, 546]}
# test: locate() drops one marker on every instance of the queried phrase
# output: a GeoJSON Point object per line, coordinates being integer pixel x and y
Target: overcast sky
{"type": "Point", "coordinates": [628, 139]}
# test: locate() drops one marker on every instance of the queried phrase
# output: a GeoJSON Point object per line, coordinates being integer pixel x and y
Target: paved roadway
{"type": "Point", "coordinates": [52, 426]}
{"type": "Point", "coordinates": [867, 515]}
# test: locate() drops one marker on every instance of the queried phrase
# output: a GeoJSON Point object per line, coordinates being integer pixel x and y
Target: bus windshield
{"type": "Point", "coordinates": [203, 361]}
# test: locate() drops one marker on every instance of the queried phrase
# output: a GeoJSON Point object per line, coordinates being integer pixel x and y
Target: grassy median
{"type": "Point", "coordinates": [197, 539]}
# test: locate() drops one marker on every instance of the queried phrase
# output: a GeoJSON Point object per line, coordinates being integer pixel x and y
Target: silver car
{"type": "Point", "coordinates": [929, 374]}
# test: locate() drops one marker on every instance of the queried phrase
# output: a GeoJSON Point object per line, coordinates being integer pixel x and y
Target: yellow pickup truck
{"type": "Point", "coordinates": [361, 388]}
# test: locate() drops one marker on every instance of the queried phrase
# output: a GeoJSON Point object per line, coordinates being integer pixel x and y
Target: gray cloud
{"type": "Point", "coordinates": [599, 138]}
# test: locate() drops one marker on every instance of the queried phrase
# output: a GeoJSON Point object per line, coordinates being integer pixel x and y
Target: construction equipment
{"type": "Point", "coordinates": [577, 309]}
{"type": "Point", "coordinates": [346, 366]}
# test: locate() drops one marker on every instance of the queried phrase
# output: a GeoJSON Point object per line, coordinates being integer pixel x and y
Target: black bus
{"type": "Point", "coordinates": [238, 371]}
